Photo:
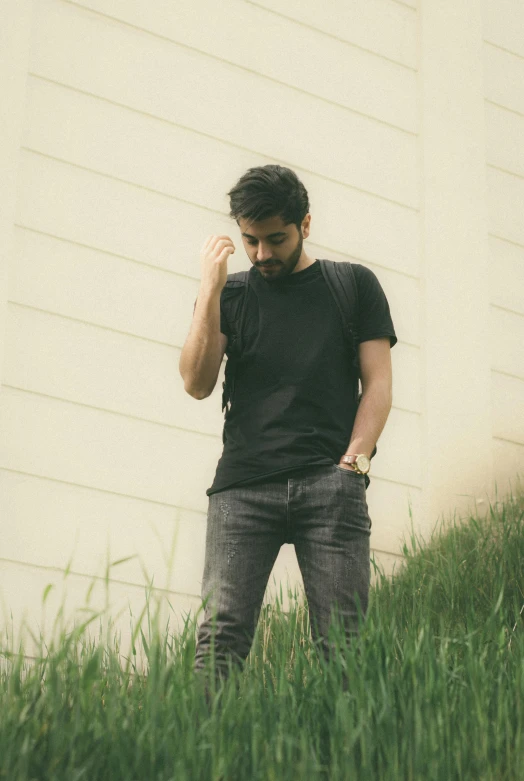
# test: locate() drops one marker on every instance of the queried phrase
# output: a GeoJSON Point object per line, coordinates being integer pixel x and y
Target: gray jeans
{"type": "Point", "coordinates": [323, 511]}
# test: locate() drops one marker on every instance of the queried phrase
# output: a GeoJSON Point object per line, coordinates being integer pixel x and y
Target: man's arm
{"type": "Point", "coordinates": [375, 404]}
{"type": "Point", "coordinates": [204, 348]}
{"type": "Point", "coordinates": [205, 345]}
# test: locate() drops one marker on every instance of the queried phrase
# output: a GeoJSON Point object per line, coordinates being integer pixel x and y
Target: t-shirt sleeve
{"type": "Point", "coordinates": [374, 320]}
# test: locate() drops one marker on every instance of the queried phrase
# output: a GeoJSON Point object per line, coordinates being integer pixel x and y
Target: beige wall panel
{"type": "Point", "coordinates": [101, 368]}
{"type": "Point", "coordinates": [507, 338]}
{"type": "Point", "coordinates": [100, 212]}
{"type": "Point", "coordinates": [62, 122]}
{"type": "Point", "coordinates": [385, 27]}
{"type": "Point", "coordinates": [97, 211]}
{"type": "Point", "coordinates": [503, 77]}
{"type": "Point", "coordinates": [506, 274]}
{"type": "Point", "coordinates": [100, 288]}
{"type": "Point", "coordinates": [92, 448]}
{"type": "Point", "coordinates": [310, 61]}
{"type": "Point", "coordinates": [503, 23]}
{"type": "Point", "coordinates": [362, 227]}
{"type": "Point", "coordinates": [506, 205]}
{"type": "Point", "coordinates": [52, 524]}
{"type": "Point", "coordinates": [22, 588]}
{"type": "Point", "coordinates": [406, 377]}
{"type": "Point", "coordinates": [384, 564]}
{"type": "Point", "coordinates": [403, 294]}
{"type": "Point", "coordinates": [504, 134]}
{"type": "Point", "coordinates": [375, 157]}
{"type": "Point", "coordinates": [392, 509]}
{"type": "Point", "coordinates": [456, 376]}
{"type": "Point", "coordinates": [15, 36]}
{"type": "Point", "coordinates": [509, 467]}
{"type": "Point", "coordinates": [508, 407]}
{"type": "Point", "coordinates": [285, 575]}
{"type": "Point", "coordinates": [402, 431]}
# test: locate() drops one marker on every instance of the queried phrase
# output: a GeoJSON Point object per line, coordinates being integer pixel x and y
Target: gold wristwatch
{"type": "Point", "coordinates": [360, 462]}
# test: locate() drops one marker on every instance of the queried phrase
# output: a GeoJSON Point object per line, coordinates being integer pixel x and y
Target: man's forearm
{"type": "Point", "coordinates": [201, 357]}
{"type": "Point", "coordinates": [371, 418]}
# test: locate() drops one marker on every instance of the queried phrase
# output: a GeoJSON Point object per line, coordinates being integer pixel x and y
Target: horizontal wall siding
{"type": "Point", "coordinates": [507, 338]}
{"type": "Point", "coordinates": [310, 61]}
{"type": "Point", "coordinates": [386, 27]}
{"type": "Point", "coordinates": [504, 76]}
{"type": "Point", "coordinates": [508, 408]}
{"type": "Point", "coordinates": [508, 459]}
{"type": "Point", "coordinates": [504, 79]}
{"type": "Point", "coordinates": [78, 362]}
{"type": "Point", "coordinates": [61, 123]}
{"type": "Point", "coordinates": [506, 201]}
{"type": "Point", "coordinates": [168, 232]}
{"type": "Point", "coordinates": [22, 589]}
{"type": "Point", "coordinates": [98, 287]}
{"type": "Point", "coordinates": [503, 23]}
{"type": "Point", "coordinates": [105, 450]}
{"type": "Point", "coordinates": [393, 509]}
{"type": "Point", "coordinates": [507, 274]}
{"type": "Point", "coordinates": [504, 133]}
{"type": "Point", "coordinates": [374, 157]}
{"type": "Point", "coordinates": [96, 527]}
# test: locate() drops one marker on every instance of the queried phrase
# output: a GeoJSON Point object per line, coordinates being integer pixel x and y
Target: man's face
{"type": "Point", "coordinates": [273, 247]}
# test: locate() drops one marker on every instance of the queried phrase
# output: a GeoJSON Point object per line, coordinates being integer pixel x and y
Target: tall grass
{"type": "Point", "coordinates": [436, 686]}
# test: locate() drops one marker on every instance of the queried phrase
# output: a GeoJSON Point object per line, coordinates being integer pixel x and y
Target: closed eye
{"type": "Point", "coordinates": [274, 241]}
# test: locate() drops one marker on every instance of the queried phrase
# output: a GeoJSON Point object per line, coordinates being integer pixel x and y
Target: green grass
{"type": "Point", "coordinates": [436, 686]}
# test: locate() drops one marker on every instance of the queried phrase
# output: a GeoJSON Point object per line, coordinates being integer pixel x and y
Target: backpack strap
{"type": "Point", "coordinates": [340, 279]}
{"type": "Point", "coordinates": [234, 347]}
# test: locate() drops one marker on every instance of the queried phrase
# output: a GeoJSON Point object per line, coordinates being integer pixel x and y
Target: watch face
{"type": "Point", "coordinates": [363, 463]}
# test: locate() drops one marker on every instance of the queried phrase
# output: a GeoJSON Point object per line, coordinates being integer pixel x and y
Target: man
{"type": "Point", "coordinates": [294, 429]}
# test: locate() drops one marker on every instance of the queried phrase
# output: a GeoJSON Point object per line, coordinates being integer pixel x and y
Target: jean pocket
{"type": "Point", "coordinates": [349, 471]}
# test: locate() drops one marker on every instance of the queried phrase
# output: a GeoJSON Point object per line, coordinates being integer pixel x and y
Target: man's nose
{"type": "Point", "coordinates": [263, 252]}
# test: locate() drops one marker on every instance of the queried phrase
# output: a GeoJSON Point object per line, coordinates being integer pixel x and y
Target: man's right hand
{"type": "Point", "coordinates": [213, 256]}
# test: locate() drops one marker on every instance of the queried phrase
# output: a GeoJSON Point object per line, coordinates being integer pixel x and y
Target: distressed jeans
{"type": "Point", "coordinates": [322, 511]}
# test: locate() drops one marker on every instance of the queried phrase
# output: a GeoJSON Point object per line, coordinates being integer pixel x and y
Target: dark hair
{"type": "Point", "coordinates": [269, 191]}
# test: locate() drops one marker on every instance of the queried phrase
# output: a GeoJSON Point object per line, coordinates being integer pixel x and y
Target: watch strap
{"type": "Point", "coordinates": [352, 458]}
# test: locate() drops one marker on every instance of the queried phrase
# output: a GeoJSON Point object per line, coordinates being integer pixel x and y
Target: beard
{"type": "Point", "coordinates": [286, 267]}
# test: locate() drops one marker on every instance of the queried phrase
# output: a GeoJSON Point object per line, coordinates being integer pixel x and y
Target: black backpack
{"type": "Point", "coordinates": [340, 279]}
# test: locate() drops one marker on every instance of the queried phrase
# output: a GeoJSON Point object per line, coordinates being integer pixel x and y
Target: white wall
{"type": "Point", "coordinates": [134, 121]}
{"type": "Point", "coordinates": [503, 62]}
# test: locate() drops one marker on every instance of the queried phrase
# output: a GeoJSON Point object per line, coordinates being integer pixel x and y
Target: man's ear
{"type": "Point", "coordinates": [305, 226]}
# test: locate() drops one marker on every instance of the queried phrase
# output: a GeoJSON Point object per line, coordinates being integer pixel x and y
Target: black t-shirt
{"type": "Point", "coordinates": [294, 401]}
